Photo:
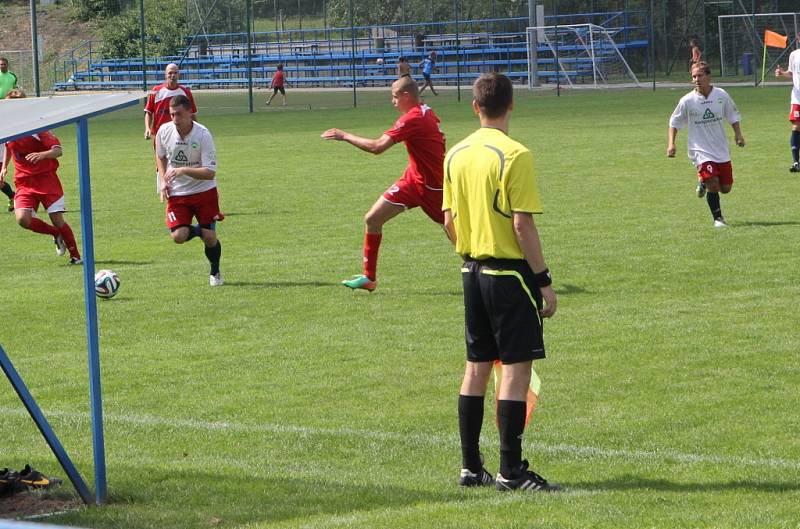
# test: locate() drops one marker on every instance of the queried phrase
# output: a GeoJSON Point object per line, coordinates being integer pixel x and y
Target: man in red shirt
{"type": "Point", "coordinates": [156, 110]}
{"type": "Point", "coordinates": [420, 185]}
{"type": "Point", "coordinates": [278, 84]}
{"type": "Point", "coordinates": [37, 183]}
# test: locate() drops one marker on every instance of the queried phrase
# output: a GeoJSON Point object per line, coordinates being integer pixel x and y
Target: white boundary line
{"type": "Point", "coordinates": [419, 438]}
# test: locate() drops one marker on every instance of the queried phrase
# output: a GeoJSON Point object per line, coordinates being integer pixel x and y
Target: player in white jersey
{"type": "Point", "coordinates": [793, 73]}
{"type": "Point", "coordinates": [187, 168]}
{"type": "Point", "coordinates": [703, 111]}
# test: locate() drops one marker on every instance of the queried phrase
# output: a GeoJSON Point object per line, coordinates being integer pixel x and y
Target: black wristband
{"type": "Point", "coordinates": [543, 278]}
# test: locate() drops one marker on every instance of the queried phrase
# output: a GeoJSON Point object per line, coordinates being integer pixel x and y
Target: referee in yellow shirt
{"type": "Point", "coordinates": [490, 196]}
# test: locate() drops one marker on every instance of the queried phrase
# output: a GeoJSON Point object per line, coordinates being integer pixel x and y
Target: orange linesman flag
{"type": "Point", "coordinates": [775, 40]}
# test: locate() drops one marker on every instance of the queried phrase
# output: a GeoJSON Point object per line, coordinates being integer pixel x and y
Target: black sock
{"type": "Point", "coordinates": [795, 143]}
{"type": "Point", "coordinates": [6, 189]}
{"type": "Point", "coordinates": [511, 421]}
{"type": "Point", "coordinates": [713, 205]}
{"type": "Point", "coordinates": [194, 231]}
{"type": "Point", "coordinates": [213, 254]}
{"type": "Point", "coordinates": [470, 421]}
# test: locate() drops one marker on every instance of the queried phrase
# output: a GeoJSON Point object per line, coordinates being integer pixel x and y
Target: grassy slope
{"type": "Point", "coordinates": [282, 400]}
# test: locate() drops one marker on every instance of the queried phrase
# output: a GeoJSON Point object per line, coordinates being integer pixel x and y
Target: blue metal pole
{"type": "Point", "coordinates": [87, 232]}
{"type": "Point", "coordinates": [44, 427]}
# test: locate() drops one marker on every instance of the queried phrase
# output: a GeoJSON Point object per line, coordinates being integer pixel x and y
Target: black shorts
{"type": "Point", "coordinates": [427, 77]}
{"type": "Point", "coordinates": [501, 311]}
{"type": "Point", "coordinates": [276, 89]}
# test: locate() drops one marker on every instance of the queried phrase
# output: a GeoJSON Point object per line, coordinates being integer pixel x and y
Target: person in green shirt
{"type": "Point", "coordinates": [8, 81]}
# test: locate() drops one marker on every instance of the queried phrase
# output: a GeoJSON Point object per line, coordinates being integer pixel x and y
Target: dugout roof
{"type": "Point", "coordinates": [23, 117]}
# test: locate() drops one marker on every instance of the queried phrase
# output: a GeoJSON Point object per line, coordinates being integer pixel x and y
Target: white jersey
{"type": "Point", "coordinates": [794, 67]}
{"type": "Point", "coordinates": [195, 150]}
{"type": "Point", "coordinates": [706, 141]}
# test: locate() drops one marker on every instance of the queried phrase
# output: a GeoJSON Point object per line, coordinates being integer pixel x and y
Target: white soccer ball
{"type": "Point", "coordinates": [106, 284]}
{"type": "Point", "coordinates": [379, 61]}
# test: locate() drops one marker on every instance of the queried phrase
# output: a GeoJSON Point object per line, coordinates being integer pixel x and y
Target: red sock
{"type": "Point", "coordinates": [40, 226]}
{"type": "Point", "coordinates": [69, 241]}
{"type": "Point", "coordinates": [372, 242]}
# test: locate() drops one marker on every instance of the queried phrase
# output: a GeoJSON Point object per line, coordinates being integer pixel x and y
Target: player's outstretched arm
{"type": "Point", "coordinates": [375, 146]}
{"type": "Point", "coordinates": [673, 133]}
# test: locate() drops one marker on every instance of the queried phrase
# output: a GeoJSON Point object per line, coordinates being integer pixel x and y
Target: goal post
{"type": "Point", "coordinates": [741, 42]}
{"type": "Point", "coordinates": [576, 54]}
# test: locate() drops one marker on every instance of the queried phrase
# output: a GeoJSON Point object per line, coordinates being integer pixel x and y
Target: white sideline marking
{"type": "Point", "coordinates": [416, 438]}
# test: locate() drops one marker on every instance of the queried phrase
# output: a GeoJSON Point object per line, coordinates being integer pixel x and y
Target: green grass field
{"type": "Point", "coordinates": [283, 400]}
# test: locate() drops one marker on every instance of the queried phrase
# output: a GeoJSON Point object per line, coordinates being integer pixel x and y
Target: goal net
{"type": "Point", "coordinates": [741, 42]}
{"type": "Point", "coordinates": [576, 54]}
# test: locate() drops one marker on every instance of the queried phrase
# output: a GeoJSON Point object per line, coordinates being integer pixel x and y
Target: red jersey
{"type": "Point", "coordinates": [158, 103]}
{"type": "Point", "coordinates": [419, 129]}
{"type": "Point", "coordinates": [278, 79]}
{"type": "Point", "coordinates": [34, 175]}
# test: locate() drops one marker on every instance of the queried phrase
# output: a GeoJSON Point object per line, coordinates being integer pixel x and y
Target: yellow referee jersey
{"type": "Point", "coordinates": [487, 177]}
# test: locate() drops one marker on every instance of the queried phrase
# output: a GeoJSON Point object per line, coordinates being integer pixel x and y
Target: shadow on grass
{"type": "Point", "coordinates": [247, 213]}
{"type": "Point", "coordinates": [233, 497]}
{"type": "Point", "coordinates": [631, 482]}
{"type": "Point", "coordinates": [567, 288]}
{"type": "Point", "coordinates": [119, 262]}
{"type": "Point", "coordinates": [765, 223]}
{"type": "Point", "coordinates": [277, 284]}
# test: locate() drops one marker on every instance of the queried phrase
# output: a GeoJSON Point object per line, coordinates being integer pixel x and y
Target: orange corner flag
{"type": "Point", "coordinates": [775, 40]}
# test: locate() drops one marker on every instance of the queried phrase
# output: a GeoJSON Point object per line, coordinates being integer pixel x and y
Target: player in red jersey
{"type": "Point", "coordinates": [278, 84]}
{"type": "Point", "coordinates": [156, 110]}
{"type": "Point", "coordinates": [420, 185]}
{"type": "Point", "coordinates": [37, 183]}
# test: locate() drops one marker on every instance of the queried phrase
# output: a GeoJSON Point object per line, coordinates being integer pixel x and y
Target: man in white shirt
{"type": "Point", "coordinates": [793, 73]}
{"type": "Point", "coordinates": [702, 111]}
{"type": "Point", "coordinates": [187, 168]}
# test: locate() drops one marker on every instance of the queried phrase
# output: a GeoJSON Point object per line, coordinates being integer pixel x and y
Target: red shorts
{"type": "Point", "coordinates": [45, 191]}
{"type": "Point", "coordinates": [721, 170]}
{"type": "Point", "coordinates": [410, 194]}
{"type": "Point", "coordinates": [794, 113]}
{"type": "Point", "coordinates": [204, 206]}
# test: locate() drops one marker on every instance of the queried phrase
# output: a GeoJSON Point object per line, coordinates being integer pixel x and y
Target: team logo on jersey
{"type": "Point", "coordinates": [709, 114]}
{"type": "Point", "coordinates": [181, 157]}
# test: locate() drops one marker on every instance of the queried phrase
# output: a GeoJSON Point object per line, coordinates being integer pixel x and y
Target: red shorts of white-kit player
{"type": "Point", "coordinates": [794, 113]}
{"type": "Point", "coordinates": [204, 206]}
{"type": "Point", "coordinates": [410, 194]}
{"type": "Point", "coordinates": [721, 170]}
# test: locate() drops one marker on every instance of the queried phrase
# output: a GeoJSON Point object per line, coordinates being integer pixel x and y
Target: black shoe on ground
{"type": "Point", "coordinates": [36, 480]}
{"type": "Point", "coordinates": [9, 482]}
{"type": "Point", "coordinates": [524, 479]}
{"type": "Point", "coordinates": [471, 479]}
{"type": "Point", "coordinates": [795, 168]}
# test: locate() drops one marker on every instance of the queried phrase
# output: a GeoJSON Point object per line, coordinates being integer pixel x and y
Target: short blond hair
{"type": "Point", "coordinates": [407, 84]}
